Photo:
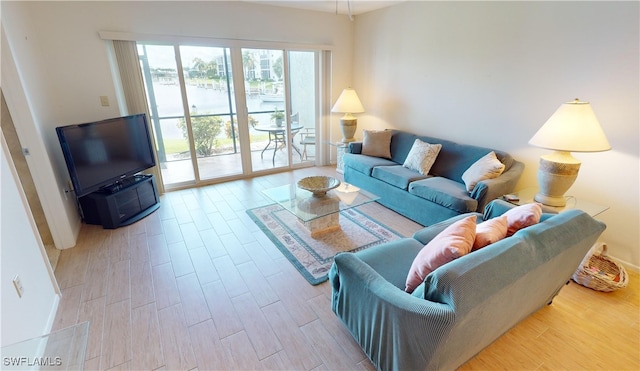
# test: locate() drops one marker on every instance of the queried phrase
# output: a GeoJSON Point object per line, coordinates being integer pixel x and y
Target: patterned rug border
{"type": "Point", "coordinates": [294, 261]}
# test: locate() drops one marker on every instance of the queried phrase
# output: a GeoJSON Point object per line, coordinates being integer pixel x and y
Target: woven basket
{"type": "Point", "coordinates": [600, 273]}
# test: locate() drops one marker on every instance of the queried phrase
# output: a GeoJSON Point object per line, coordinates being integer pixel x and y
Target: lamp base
{"type": "Point", "coordinates": [348, 127]}
{"type": "Point", "coordinates": [550, 200]}
{"type": "Point", "coordinates": [556, 174]}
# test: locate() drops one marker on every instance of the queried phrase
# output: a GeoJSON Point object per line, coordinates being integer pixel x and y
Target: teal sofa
{"type": "Point", "coordinates": [464, 305]}
{"type": "Point", "coordinates": [428, 199]}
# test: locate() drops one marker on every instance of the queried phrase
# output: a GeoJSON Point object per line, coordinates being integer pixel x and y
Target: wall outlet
{"type": "Point", "coordinates": [18, 285]}
{"type": "Point", "coordinates": [104, 100]}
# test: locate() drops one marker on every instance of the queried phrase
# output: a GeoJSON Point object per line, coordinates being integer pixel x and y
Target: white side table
{"type": "Point", "coordinates": [341, 149]}
{"type": "Point", "coordinates": [525, 196]}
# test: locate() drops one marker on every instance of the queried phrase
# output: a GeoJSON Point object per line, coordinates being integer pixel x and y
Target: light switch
{"type": "Point", "coordinates": [104, 100]}
{"type": "Point", "coordinates": [18, 285]}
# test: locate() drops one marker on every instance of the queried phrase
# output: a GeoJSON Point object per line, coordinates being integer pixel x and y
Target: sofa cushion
{"type": "Point", "coordinates": [422, 156]}
{"type": "Point", "coordinates": [522, 216]}
{"type": "Point", "coordinates": [377, 143]}
{"type": "Point", "coordinates": [398, 176]}
{"type": "Point", "coordinates": [401, 143]}
{"type": "Point", "coordinates": [452, 161]}
{"type": "Point", "coordinates": [490, 231]}
{"type": "Point", "coordinates": [365, 164]}
{"type": "Point", "coordinates": [454, 158]}
{"type": "Point", "coordinates": [444, 192]}
{"type": "Point", "coordinates": [450, 244]}
{"type": "Point", "coordinates": [487, 167]}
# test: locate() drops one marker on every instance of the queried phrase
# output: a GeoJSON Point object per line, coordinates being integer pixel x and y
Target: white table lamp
{"type": "Point", "coordinates": [572, 128]}
{"type": "Point", "coordinates": [348, 103]}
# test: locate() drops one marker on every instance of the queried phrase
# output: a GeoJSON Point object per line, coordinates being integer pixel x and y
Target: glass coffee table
{"type": "Point", "coordinates": [60, 350]}
{"type": "Point", "coordinates": [319, 215]}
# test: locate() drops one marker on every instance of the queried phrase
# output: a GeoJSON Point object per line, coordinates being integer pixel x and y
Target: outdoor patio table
{"type": "Point", "coordinates": [277, 136]}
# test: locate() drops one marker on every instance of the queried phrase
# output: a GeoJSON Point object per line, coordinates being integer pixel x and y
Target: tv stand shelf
{"type": "Point", "coordinates": [122, 184]}
{"type": "Point", "coordinates": [123, 204]}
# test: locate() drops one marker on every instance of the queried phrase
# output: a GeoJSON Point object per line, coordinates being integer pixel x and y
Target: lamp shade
{"type": "Point", "coordinates": [348, 102]}
{"type": "Point", "coordinates": [572, 128]}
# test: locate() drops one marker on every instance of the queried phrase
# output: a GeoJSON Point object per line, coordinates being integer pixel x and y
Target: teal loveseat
{"type": "Point", "coordinates": [464, 305]}
{"type": "Point", "coordinates": [428, 199]}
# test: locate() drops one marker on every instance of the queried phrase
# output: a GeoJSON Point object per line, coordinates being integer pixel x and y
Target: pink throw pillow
{"type": "Point", "coordinates": [453, 242]}
{"type": "Point", "coordinates": [522, 216]}
{"type": "Point", "coordinates": [490, 231]}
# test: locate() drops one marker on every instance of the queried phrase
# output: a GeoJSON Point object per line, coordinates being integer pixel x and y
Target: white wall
{"type": "Point", "coordinates": [65, 68]}
{"type": "Point", "coordinates": [21, 253]}
{"type": "Point", "coordinates": [59, 210]}
{"type": "Point", "coordinates": [491, 73]}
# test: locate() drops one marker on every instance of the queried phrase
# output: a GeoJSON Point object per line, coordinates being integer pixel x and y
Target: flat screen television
{"type": "Point", "coordinates": [104, 153]}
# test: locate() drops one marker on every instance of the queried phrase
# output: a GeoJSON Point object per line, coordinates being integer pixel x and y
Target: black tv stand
{"type": "Point", "coordinates": [122, 203]}
{"type": "Point", "coordinates": [123, 183]}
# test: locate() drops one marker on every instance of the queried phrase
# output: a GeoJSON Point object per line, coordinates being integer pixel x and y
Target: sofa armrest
{"type": "Point", "coordinates": [388, 323]}
{"type": "Point", "coordinates": [355, 148]}
{"type": "Point", "coordinates": [488, 190]}
{"type": "Point", "coordinates": [426, 234]}
{"type": "Point", "coordinates": [496, 208]}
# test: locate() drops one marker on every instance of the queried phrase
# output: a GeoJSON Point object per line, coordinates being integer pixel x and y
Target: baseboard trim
{"type": "Point", "coordinates": [52, 314]}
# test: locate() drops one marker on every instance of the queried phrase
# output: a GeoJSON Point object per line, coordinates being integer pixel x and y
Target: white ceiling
{"type": "Point", "coordinates": [331, 6]}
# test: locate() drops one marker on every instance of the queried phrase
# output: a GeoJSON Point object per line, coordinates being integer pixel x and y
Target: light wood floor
{"type": "Point", "coordinates": [196, 285]}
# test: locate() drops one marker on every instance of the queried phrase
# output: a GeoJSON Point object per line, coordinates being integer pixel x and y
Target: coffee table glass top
{"type": "Point", "coordinates": [306, 207]}
{"type": "Point", "coordinates": [60, 350]}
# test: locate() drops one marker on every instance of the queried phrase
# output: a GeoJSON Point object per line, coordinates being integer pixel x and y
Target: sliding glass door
{"type": "Point", "coordinates": [211, 102]}
{"type": "Point", "coordinates": [269, 129]}
{"type": "Point", "coordinates": [193, 105]}
{"type": "Point", "coordinates": [164, 95]}
{"type": "Point", "coordinates": [303, 89]}
{"type": "Point", "coordinates": [281, 102]}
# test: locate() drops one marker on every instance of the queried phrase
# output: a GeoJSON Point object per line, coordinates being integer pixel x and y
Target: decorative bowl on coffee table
{"type": "Point", "coordinates": [318, 185]}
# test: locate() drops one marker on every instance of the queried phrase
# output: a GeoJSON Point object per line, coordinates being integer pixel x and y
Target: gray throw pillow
{"type": "Point", "coordinates": [377, 143]}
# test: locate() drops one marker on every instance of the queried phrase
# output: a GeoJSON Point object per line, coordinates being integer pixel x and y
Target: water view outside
{"type": "Point", "coordinates": [210, 101]}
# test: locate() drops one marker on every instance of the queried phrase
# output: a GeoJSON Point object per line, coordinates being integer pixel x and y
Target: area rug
{"type": "Point", "coordinates": [313, 256]}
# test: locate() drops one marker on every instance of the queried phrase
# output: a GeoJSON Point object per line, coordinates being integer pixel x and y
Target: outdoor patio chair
{"type": "Point", "coordinates": [307, 138]}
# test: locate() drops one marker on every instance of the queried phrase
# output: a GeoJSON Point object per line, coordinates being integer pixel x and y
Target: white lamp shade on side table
{"type": "Point", "coordinates": [572, 128]}
{"type": "Point", "coordinates": [348, 103]}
